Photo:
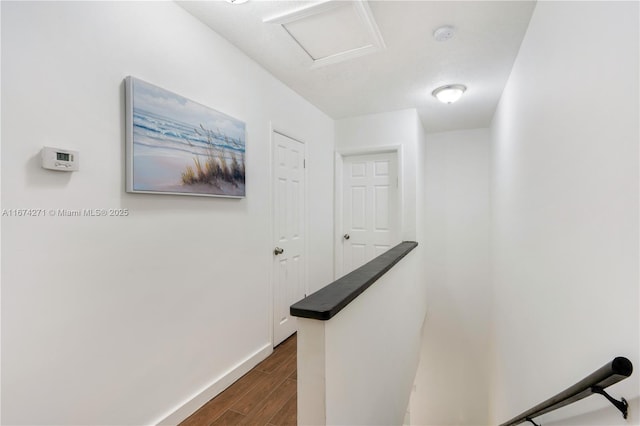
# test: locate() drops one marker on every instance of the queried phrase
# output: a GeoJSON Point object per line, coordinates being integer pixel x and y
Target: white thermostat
{"type": "Point", "coordinates": [60, 159]}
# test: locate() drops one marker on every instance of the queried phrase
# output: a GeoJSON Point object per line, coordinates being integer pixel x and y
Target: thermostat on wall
{"type": "Point", "coordinates": [60, 159]}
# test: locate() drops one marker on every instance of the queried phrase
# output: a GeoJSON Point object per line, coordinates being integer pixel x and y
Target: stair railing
{"type": "Point", "coordinates": [595, 383]}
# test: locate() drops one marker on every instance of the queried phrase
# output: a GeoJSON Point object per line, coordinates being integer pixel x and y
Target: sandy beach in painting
{"type": "Point", "coordinates": [173, 136]}
{"type": "Point", "coordinates": [163, 174]}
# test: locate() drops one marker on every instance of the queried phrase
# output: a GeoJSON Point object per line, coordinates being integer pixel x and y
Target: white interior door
{"type": "Point", "coordinates": [370, 208]}
{"type": "Point", "coordinates": [289, 226]}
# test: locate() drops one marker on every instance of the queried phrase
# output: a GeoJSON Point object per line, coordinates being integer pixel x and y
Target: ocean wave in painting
{"type": "Point", "coordinates": [155, 131]}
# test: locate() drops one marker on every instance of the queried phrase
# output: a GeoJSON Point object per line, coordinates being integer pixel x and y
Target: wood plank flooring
{"type": "Point", "coordinates": [265, 396]}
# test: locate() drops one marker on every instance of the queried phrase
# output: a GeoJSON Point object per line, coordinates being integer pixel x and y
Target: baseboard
{"type": "Point", "coordinates": [221, 383]}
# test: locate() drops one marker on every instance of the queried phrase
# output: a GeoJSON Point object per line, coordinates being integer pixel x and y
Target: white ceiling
{"type": "Point", "coordinates": [403, 73]}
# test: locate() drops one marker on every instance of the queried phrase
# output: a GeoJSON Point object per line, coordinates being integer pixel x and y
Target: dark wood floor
{"type": "Point", "coordinates": [266, 395]}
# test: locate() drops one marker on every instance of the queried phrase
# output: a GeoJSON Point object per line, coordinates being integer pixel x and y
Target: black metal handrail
{"type": "Point", "coordinates": [618, 369]}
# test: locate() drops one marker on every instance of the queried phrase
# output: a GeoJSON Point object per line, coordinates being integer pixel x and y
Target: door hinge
{"type": "Point", "coordinates": [304, 163]}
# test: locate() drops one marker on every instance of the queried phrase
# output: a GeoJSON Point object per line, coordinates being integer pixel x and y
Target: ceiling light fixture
{"type": "Point", "coordinates": [450, 93]}
{"type": "Point", "coordinates": [236, 1]}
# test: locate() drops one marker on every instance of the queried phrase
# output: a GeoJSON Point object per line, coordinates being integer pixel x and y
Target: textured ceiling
{"type": "Point", "coordinates": [480, 55]}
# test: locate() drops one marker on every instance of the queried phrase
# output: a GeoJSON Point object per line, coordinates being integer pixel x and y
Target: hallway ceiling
{"type": "Point", "coordinates": [399, 74]}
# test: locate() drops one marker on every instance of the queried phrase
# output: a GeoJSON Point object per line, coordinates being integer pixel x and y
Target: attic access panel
{"type": "Point", "coordinates": [332, 31]}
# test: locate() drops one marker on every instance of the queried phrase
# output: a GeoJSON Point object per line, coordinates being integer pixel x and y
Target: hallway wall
{"type": "Point", "coordinates": [121, 320]}
{"type": "Point", "coordinates": [456, 335]}
{"type": "Point", "coordinates": [565, 209]}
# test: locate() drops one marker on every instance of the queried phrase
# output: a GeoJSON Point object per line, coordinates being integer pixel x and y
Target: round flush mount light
{"type": "Point", "coordinates": [444, 33]}
{"type": "Point", "coordinates": [450, 93]}
{"type": "Point", "coordinates": [236, 1]}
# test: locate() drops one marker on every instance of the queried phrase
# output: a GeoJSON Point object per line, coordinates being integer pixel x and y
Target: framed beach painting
{"type": "Point", "coordinates": [178, 146]}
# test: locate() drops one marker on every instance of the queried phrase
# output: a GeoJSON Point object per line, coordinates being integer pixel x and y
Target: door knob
{"type": "Point", "coordinates": [278, 251]}
{"type": "Point", "coordinates": [346, 236]}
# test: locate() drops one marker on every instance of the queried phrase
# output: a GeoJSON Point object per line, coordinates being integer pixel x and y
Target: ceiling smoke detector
{"type": "Point", "coordinates": [444, 33]}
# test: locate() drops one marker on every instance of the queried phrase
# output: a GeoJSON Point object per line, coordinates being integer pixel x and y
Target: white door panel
{"type": "Point", "coordinates": [289, 226]}
{"type": "Point", "coordinates": [370, 207]}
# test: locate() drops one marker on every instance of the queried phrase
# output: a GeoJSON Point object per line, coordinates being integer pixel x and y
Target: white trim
{"type": "Point", "coordinates": [221, 383]}
{"type": "Point", "coordinates": [271, 303]}
{"type": "Point", "coordinates": [304, 12]}
{"type": "Point", "coordinates": [364, 11]}
{"type": "Point", "coordinates": [401, 212]}
{"type": "Point", "coordinates": [338, 193]}
{"type": "Point", "coordinates": [343, 56]}
{"type": "Point", "coordinates": [369, 150]}
{"type": "Point", "coordinates": [337, 215]}
{"type": "Point", "coordinates": [275, 128]}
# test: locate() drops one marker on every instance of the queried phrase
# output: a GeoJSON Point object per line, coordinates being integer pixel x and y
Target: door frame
{"type": "Point", "coordinates": [275, 128]}
{"type": "Point", "coordinates": [340, 154]}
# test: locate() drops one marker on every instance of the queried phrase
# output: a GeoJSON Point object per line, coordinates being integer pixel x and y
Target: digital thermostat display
{"type": "Point", "coordinates": [62, 156]}
{"type": "Point", "coordinates": [59, 159]}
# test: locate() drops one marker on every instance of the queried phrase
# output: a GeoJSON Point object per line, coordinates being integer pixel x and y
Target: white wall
{"type": "Point", "coordinates": [122, 320]}
{"type": "Point", "coordinates": [367, 383]}
{"type": "Point", "coordinates": [398, 128]}
{"type": "Point", "coordinates": [452, 379]}
{"type": "Point", "coordinates": [565, 209]}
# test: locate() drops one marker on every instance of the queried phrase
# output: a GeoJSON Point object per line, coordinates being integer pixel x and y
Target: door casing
{"type": "Point", "coordinates": [274, 128]}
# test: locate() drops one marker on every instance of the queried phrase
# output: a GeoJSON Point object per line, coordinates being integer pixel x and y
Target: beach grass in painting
{"type": "Point", "coordinates": [177, 146]}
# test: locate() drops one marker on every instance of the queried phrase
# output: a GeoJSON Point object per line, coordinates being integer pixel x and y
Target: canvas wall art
{"type": "Point", "coordinates": [178, 146]}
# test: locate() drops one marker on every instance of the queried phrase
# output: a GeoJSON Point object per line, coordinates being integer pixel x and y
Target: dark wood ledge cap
{"type": "Point", "coordinates": [328, 301]}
